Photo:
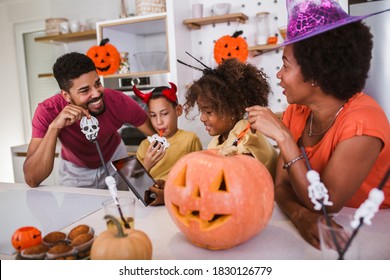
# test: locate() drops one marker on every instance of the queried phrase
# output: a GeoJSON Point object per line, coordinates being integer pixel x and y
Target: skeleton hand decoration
{"type": "Point", "coordinates": [317, 190]}
{"type": "Point", "coordinates": [90, 127]}
{"type": "Point", "coordinates": [368, 208]}
{"type": "Point", "coordinates": [160, 139]}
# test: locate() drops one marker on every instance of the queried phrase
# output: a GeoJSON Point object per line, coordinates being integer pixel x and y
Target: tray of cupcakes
{"type": "Point", "coordinates": [57, 245]}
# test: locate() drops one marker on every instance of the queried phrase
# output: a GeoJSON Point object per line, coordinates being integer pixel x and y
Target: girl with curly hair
{"type": "Point", "coordinates": [221, 95]}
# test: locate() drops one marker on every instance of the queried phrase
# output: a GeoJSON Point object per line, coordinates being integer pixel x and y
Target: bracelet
{"type": "Point", "coordinates": [291, 162]}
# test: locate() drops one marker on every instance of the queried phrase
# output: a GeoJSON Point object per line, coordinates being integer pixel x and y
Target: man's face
{"type": "Point", "coordinates": [87, 92]}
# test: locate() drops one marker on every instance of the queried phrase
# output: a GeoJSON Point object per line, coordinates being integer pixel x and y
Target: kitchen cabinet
{"type": "Point", "coordinates": [19, 154]}
{"type": "Point", "coordinates": [139, 35]}
{"type": "Point", "coordinates": [196, 23]}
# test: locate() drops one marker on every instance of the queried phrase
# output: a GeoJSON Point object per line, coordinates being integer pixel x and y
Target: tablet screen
{"type": "Point", "coordinates": [136, 177]}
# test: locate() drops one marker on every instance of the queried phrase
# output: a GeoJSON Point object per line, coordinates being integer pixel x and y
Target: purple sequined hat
{"type": "Point", "coordinates": [307, 18]}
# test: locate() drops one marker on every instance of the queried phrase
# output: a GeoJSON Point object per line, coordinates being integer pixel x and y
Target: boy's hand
{"type": "Point", "coordinates": [158, 189]}
{"type": "Point", "coordinates": [154, 154]}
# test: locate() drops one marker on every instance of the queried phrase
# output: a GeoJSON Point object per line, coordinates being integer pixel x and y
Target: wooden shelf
{"type": "Point", "coordinates": [66, 38]}
{"type": "Point", "coordinates": [260, 49]}
{"type": "Point", "coordinates": [45, 75]}
{"type": "Point", "coordinates": [196, 23]}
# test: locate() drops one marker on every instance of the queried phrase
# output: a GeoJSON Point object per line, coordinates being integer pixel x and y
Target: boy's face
{"type": "Point", "coordinates": [163, 116]}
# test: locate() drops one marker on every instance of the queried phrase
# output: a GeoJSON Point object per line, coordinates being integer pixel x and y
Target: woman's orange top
{"type": "Point", "coordinates": [361, 116]}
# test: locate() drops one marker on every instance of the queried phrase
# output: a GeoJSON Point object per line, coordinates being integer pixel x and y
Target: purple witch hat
{"type": "Point", "coordinates": [307, 18]}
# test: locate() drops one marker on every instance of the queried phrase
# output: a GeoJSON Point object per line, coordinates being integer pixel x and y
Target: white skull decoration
{"type": "Point", "coordinates": [163, 141]}
{"type": "Point", "coordinates": [90, 127]}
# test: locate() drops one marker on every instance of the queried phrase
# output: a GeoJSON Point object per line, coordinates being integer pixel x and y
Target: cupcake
{"type": "Point", "coordinates": [61, 251]}
{"type": "Point", "coordinates": [53, 238]}
{"type": "Point", "coordinates": [82, 243]}
{"type": "Point", "coordinates": [37, 252]}
{"type": "Point", "coordinates": [80, 229]}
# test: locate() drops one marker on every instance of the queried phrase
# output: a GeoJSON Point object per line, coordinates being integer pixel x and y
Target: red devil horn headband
{"type": "Point", "coordinates": [169, 93]}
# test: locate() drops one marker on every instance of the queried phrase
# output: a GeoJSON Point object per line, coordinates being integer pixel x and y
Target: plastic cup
{"type": "Point", "coordinates": [334, 239]}
{"type": "Point", "coordinates": [127, 206]}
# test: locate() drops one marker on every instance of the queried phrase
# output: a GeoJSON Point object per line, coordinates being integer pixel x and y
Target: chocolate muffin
{"type": "Point", "coordinates": [53, 238]}
{"type": "Point", "coordinates": [37, 252]}
{"type": "Point", "coordinates": [80, 229]}
{"type": "Point", "coordinates": [61, 251]}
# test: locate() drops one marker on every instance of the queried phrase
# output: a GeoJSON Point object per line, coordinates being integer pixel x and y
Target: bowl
{"type": "Point", "coordinates": [221, 9]}
{"type": "Point", "coordinates": [151, 61]}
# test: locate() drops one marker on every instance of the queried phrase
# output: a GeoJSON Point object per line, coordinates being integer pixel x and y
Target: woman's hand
{"type": "Point", "coordinates": [306, 223]}
{"type": "Point", "coordinates": [154, 154]}
{"type": "Point", "coordinates": [158, 189]}
{"type": "Point", "coordinates": [264, 120]}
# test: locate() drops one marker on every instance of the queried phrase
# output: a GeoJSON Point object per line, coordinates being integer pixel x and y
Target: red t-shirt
{"type": "Point", "coordinates": [120, 109]}
{"type": "Point", "coordinates": [361, 116]}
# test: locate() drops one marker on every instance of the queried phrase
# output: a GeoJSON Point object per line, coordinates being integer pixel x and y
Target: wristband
{"type": "Point", "coordinates": [291, 162]}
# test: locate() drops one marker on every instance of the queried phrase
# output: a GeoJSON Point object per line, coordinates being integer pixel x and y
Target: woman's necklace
{"type": "Point", "coordinates": [311, 133]}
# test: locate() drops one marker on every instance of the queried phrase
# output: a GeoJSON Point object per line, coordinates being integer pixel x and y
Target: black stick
{"type": "Point", "coordinates": [108, 174]}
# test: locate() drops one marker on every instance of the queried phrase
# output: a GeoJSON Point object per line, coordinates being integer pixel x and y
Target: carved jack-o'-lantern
{"type": "Point", "coordinates": [231, 47]}
{"type": "Point", "coordinates": [106, 57]}
{"type": "Point", "coordinates": [219, 201]}
{"type": "Point", "coordinates": [26, 237]}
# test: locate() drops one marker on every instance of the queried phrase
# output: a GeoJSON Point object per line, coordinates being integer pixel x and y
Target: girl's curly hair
{"type": "Point", "coordinates": [230, 88]}
{"type": "Point", "coordinates": [337, 61]}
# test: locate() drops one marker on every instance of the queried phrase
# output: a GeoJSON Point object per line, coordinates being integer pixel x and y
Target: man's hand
{"type": "Point", "coordinates": [158, 189]}
{"type": "Point", "coordinates": [68, 116]}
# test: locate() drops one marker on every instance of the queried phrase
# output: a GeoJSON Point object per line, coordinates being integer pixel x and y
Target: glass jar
{"type": "Point", "coordinates": [262, 28]}
{"type": "Point", "coordinates": [124, 66]}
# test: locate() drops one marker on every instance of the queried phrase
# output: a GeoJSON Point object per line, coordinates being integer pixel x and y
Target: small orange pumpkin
{"type": "Point", "coordinates": [106, 57]}
{"type": "Point", "coordinates": [231, 47]}
{"type": "Point", "coordinates": [26, 237]}
{"type": "Point", "coordinates": [219, 201]}
{"type": "Point", "coordinates": [121, 244]}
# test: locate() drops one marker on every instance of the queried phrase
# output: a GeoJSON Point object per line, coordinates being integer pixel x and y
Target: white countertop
{"type": "Point", "coordinates": [279, 240]}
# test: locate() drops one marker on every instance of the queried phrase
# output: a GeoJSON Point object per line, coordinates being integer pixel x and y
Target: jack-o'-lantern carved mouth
{"type": "Point", "coordinates": [105, 69]}
{"type": "Point", "coordinates": [217, 189]}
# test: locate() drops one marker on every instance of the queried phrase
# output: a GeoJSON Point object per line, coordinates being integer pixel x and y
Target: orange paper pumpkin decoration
{"type": "Point", "coordinates": [219, 201]}
{"type": "Point", "coordinates": [231, 47]}
{"type": "Point", "coordinates": [106, 57]}
{"type": "Point", "coordinates": [26, 237]}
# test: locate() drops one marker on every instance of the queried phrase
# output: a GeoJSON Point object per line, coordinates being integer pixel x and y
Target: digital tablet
{"type": "Point", "coordinates": [136, 177]}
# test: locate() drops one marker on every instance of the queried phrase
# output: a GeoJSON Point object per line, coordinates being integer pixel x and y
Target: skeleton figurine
{"type": "Point", "coordinates": [159, 139]}
{"type": "Point", "coordinates": [317, 190]}
{"type": "Point", "coordinates": [368, 208]}
{"type": "Point", "coordinates": [90, 127]}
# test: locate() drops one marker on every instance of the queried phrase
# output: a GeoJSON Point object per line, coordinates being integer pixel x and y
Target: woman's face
{"type": "Point", "coordinates": [163, 116]}
{"type": "Point", "coordinates": [215, 123]}
{"type": "Point", "coordinates": [291, 80]}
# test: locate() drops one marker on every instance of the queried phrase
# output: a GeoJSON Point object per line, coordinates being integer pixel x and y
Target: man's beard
{"type": "Point", "coordinates": [99, 111]}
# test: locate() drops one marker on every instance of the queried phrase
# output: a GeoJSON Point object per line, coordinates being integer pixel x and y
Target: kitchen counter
{"type": "Point", "coordinates": [279, 240]}
{"type": "Point", "coordinates": [19, 155]}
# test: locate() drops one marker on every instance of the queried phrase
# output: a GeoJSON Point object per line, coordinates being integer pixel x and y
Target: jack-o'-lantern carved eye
{"type": "Point", "coordinates": [219, 202]}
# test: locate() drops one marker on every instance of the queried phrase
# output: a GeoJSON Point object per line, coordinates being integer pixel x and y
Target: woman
{"type": "Point", "coordinates": [345, 133]}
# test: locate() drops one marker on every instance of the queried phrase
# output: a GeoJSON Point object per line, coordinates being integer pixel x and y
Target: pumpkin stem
{"type": "Point", "coordinates": [104, 41]}
{"type": "Point", "coordinates": [118, 225]}
{"type": "Point", "coordinates": [237, 33]}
